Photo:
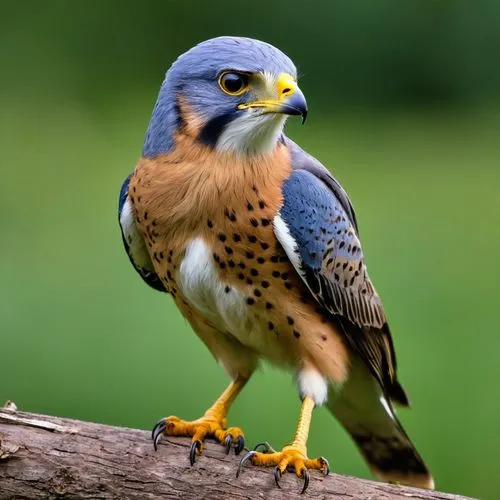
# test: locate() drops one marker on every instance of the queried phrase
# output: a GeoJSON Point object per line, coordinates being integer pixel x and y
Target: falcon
{"type": "Point", "coordinates": [258, 245]}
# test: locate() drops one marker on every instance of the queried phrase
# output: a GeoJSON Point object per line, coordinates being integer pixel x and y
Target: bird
{"type": "Point", "coordinates": [258, 245]}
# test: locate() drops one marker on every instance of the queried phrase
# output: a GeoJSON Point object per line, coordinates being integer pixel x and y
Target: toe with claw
{"type": "Point", "coordinates": [199, 430]}
{"type": "Point", "coordinates": [288, 459]}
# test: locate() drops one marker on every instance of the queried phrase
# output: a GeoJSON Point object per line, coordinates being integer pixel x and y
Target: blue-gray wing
{"type": "Point", "coordinates": [317, 228]}
{"type": "Point", "coordinates": [134, 242]}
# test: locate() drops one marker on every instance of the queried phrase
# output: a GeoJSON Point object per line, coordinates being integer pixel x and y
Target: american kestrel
{"type": "Point", "coordinates": [258, 245]}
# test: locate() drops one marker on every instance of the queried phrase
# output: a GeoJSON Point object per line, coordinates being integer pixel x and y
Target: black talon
{"type": "Point", "coordinates": [244, 460]}
{"type": "Point", "coordinates": [267, 447]}
{"type": "Point", "coordinates": [192, 452]}
{"type": "Point", "coordinates": [239, 445]}
{"type": "Point", "coordinates": [277, 476]}
{"type": "Point", "coordinates": [327, 470]}
{"type": "Point", "coordinates": [228, 443]}
{"type": "Point", "coordinates": [158, 430]}
{"type": "Point", "coordinates": [306, 476]}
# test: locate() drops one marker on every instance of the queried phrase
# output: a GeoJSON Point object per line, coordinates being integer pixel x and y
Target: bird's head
{"type": "Point", "coordinates": [238, 91]}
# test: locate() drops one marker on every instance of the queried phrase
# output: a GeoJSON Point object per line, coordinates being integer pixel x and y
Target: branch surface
{"type": "Point", "coordinates": [51, 457]}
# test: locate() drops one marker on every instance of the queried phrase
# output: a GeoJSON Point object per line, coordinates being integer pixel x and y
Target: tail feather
{"type": "Point", "coordinates": [368, 416]}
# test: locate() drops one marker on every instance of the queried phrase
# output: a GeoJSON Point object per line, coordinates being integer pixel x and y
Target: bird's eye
{"type": "Point", "coordinates": [233, 83]}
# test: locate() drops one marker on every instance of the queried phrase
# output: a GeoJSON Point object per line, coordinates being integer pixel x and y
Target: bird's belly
{"type": "Point", "coordinates": [224, 305]}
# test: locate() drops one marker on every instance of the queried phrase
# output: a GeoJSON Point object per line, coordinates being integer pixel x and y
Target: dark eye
{"type": "Point", "coordinates": [233, 83]}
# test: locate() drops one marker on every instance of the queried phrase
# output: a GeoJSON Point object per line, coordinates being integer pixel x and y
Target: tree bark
{"type": "Point", "coordinates": [51, 457]}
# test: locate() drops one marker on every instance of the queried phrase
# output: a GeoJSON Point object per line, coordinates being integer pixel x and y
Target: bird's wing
{"type": "Point", "coordinates": [134, 242]}
{"type": "Point", "coordinates": [317, 228]}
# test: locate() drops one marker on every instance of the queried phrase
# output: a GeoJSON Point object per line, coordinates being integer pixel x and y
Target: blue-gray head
{"type": "Point", "coordinates": [240, 91]}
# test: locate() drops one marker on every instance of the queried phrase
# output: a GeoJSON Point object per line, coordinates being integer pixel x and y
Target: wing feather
{"type": "Point", "coordinates": [323, 240]}
{"type": "Point", "coordinates": [134, 242]}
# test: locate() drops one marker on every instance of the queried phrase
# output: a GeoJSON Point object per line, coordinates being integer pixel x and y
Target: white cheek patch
{"type": "Point", "coordinates": [312, 384]}
{"type": "Point", "coordinates": [252, 133]}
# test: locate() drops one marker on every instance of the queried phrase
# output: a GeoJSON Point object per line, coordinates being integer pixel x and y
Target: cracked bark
{"type": "Point", "coordinates": [51, 457]}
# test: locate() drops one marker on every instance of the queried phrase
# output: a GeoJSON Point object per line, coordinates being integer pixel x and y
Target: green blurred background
{"type": "Point", "coordinates": [404, 108]}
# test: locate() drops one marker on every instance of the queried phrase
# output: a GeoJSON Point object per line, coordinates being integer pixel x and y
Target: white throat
{"type": "Point", "coordinates": [252, 133]}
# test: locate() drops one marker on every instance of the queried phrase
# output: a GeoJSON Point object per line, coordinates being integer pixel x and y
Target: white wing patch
{"type": "Point", "coordinates": [288, 242]}
{"type": "Point", "coordinates": [136, 246]}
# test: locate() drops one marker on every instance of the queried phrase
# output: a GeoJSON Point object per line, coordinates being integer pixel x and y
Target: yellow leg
{"type": "Point", "coordinates": [302, 433]}
{"type": "Point", "coordinates": [212, 424]}
{"type": "Point", "coordinates": [292, 456]}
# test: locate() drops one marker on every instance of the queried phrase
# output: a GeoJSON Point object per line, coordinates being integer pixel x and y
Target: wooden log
{"type": "Point", "coordinates": [51, 457]}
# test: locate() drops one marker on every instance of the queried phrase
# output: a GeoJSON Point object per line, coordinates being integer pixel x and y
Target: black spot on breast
{"type": "Point", "coordinates": [227, 289]}
{"type": "Point", "coordinates": [324, 338]}
{"type": "Point", "coordinates": [228, 250]}
{"type": "Point", "coordinates": [264, 245]}
{"type": "Point", "coordinates": [257, 292]}
{"type": "Point", "coordinates": [241, 276]}
{"type": "Point", "coordinates": [241, 265]}
{"type": "Point", "coordinates": [252, 238]}
{"type": "Point", "coordinates": [210, 224]}
{"type": "Point", "coordinates": [230, 215]}
{"type": "Point", "coordinates": [236, 237]}
{"type": "Point", "coordinates": [288, 286]}
{"type": "Point", "coordinates": [261, 260]}
{"type": "Point", "coordinates": [274, 258]}
{"type": "Point", "coordinates": [216, 257]}
{"type": "Point", "coordinates": [231, 263]}
{"type": "Point", "coordinates": [254, 272]}
{"type": "Point", "coordinates": [270, 325]}
{"type": "Point", "coordinates": [249, 281]}
{"type": "Point", "coordinates": [284, 276]}
{"type": "Point", "coordinates": [265, 222]}
{"type": "Point", "coordinates": [250, 301]}
{"type": "Point", "coordinates": [269, 305]}
{"type": "Point", "coordinates": [265, 284]}
{"type": "Point", "coordinates": [249, 206]}
{"type": "Point", "coordinates": [222, 265]}
{"type": "Point", "coordinates": [249, 254]}
{"type": "Point", "coordinates": [262, 204]}
{"type": "Point", "coordinates": [290, 320]}
{"type": "Point", "coordinates": [276, 274]}
{"type": "Point", "coordinates": [296, 334]}
{"type": "Point", "coordinates": [221, 236]}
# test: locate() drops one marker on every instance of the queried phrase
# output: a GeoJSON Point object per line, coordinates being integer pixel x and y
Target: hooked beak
{"type": "Point", "coordinates": [290, 101]}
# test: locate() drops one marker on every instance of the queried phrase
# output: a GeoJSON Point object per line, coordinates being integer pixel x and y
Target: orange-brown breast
{"type": "Point", "coordinates": [230, 204]}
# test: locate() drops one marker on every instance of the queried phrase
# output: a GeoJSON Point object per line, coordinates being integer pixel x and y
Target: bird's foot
{"type": "Point", "coordinates": [198, 430]}
{"type": "Point", "coordinates": [290, 458]}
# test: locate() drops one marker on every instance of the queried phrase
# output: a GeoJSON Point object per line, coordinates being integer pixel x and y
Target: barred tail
{"type": "Point", "coordinates": [369, 417]}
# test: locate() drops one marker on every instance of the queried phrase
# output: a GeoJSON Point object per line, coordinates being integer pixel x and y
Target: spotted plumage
{"type": "Point", "coordinates": [259, 247]}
